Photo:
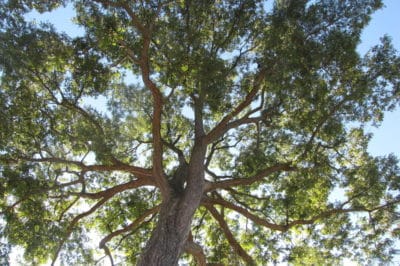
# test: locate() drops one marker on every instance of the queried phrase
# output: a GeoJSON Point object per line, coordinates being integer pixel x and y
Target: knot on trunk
{"type": "Point", "coordinates": [178, 180]}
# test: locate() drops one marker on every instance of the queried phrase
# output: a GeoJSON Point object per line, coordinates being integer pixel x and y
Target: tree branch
{"type": "Point", "coordinates": [109, 255]}
{"type": "Point", "coordinates": [241, 121]}
{"type": "Point", "coordinates": [328, 213]}
{"type": "Point", "coordinates": [220, 129]}
{"type": "Point", "coordinates": [72, 106]}
{"type": "Point", "coordinates": [157, 103]}
{"type": "Point", "coordinates": [179, 153]}
{"type": "Point", "coordinates": [229, 236]}
{"type": "Point", "coordinates": [131, 226]}
{"type": "Point", "coordinates": [245, 213]}
{"type": "Point", "coordinates": [114, 190]}
{"type": "Point", "coordinates": [248, 181]}
{"type": "Point", "coordinates": [283, 228]}
{"type": "Point", "coordinates": [73, 223]}
{"type": "Point", "coordinates": [117, 166]}
{"type": "Point", "coordinates": [196, 251]}
{"type": "Point", "coordinates": [144, 64]}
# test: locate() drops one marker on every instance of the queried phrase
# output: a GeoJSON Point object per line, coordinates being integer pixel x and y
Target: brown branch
{"type": "Point", "coordinates": [229, 235]}
{"type": "Point", "coordinates": [117, 166]}
{"type": "Point", "coordinates": [198, 106]}
{"type": "Point", "coordinates": [157, 104]}
{"type": "Point", "coordinates": [245, 213]}
{"type": "Point", "coordinates": [41, 191]}
{"type": "Point", "coordinates": [63, 212]}
{"type": "Point", "coordinates": [179, 153]}
{"type": "Point", "coordinates": [73, 224]}
{"type": "Point", "coordinates": [109, 255]}
{"type": "Point", "coordinates": [220, 129]}
{"type": "Point", "coordinates": [105, 195]}
{"type": "Point", "coordinates": [329, 213]}
{"type": "Point", "coordinates": [248, 181]}
{"type": "Point", "coordinates": [195, 178]}
{"type": "Point", "coordinates": [124, 5]}
{"type": "Point", "coordinates": [196, 251]}
{"type": "Point", "coordinates": [131, 226]}
{"type": "Point", "coordinates": [242, 121]}
{"type": "Point", "coordinates": [114, 190]}
{"type": "Point", "coordinates": [144, 64]}
{"type": "Point", "coordinates": [283, 228]}
{"type": "Point", "coordinates": [156, 126]}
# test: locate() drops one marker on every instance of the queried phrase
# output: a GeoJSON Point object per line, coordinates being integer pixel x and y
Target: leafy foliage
{"type": "Point", "coordinates": [264, 106]}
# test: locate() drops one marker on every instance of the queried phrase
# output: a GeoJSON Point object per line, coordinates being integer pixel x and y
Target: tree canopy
{"type": "Point", "coordinates": [233, 133]}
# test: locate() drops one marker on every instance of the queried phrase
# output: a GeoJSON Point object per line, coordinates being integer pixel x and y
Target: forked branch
{"type": "Point", "coordinates": [221, 127]}
{"type": "Point", "coordinates": [143, 60]}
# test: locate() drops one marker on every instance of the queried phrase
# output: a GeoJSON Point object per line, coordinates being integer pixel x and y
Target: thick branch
{"type": "Point", "coordinates": [242, 121]}
{"type": "Point", "coordinates": [245, 213]}
{"type": "Point", "coordinates": [248, 181]}
{"type": "Point", "coordinates": [229, 236]}
{"type": "Point", "coordinates": [220, 129]}
{"type": "Point", "coordinates": [197, 252]}
{"type": "Point", "coordinates": [118, 166]}
{"type": "Point", "coordinates": [198, 116]}
{"type": "Point", "coordinates": [157, 104]}
{"type": "Point", "coordinates": [195, 181]}
{"type": "Point", "coordinates": [284, 228]}
{"type": "Point", "coordinates": [144, 64]}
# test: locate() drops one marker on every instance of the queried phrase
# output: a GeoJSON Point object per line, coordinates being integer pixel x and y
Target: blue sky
{"type": "Point", "coordinates": [385, 21]}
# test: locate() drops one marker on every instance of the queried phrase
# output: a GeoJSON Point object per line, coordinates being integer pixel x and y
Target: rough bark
{"type": "Point", "coordinates": [168, 239]}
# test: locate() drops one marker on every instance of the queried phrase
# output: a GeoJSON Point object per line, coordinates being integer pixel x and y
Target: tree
{"type": "Point", "coordinates": [241, 142]}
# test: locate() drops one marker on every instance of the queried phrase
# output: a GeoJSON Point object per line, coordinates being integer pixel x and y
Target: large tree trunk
{"type": "Point", "coordinates": [174, 221]}
{"type": "Point", "coordinates": [169, 237]}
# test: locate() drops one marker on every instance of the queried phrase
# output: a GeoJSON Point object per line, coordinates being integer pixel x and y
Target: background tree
{"type": "Point", "coordinates": [241, 143]}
